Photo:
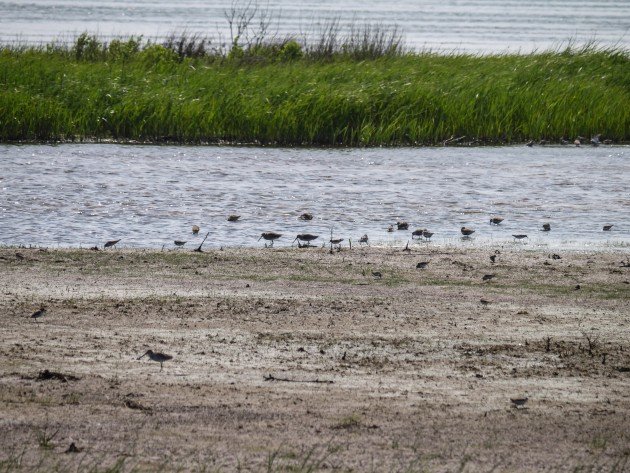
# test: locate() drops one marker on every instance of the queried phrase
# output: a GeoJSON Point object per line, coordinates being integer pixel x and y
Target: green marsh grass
{"type": "Point", "coordinates": [284, 94]}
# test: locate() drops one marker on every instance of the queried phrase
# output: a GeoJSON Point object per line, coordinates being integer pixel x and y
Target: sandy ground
{"type": "Point", "coordinates": [302, 360]}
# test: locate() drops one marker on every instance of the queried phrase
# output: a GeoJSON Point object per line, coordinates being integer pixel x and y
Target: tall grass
{"type": "Point", "coordinates": [361, 89]}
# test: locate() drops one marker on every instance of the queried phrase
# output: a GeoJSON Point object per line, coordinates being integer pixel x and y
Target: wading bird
{"type": "Point", "coordinates": [496, 220]}
{"type": "Point", "coordinates": [607, 228]}
{"type": "Point", "coordinates": [467, 231]}
{"type": "Point", "coordinates": [195, 229]}
{"type": "Point", "coordinates": [179, 243]}
{"type": "Point", "coordinates": [364, 239]}
{"type": "Point", "coordinates": [546, 227]}
{"type": "Point", "coordinates": [307, 237]}
{"type": "Point", "coordinates": [427, 234]}
{"type": "Point", "coordinates": [417, 233]}
{"type": "Point", "coordinates": [520, 237]}
{"type": "Point", "coordinates": [402, 225]}
{"type": "Point", "coordinates": [270, 236]}
{"type": "Point", "coordinates": [233, 218]}
{"type": "Point", "coordinates": [111, 243]}
{"type": "Point", "coordinates": [306, 216]}
{"type": "Point", "coordinates": [159, 357]}
{"type": "Point", "coordinates": [39, 313]}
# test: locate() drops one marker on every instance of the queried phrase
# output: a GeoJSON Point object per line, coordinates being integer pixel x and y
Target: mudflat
{"type": "Point", "coordinates": [304, 360]}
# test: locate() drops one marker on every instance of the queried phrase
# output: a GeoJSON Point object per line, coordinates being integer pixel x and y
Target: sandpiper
{"type": "Point", "coordinates": [530, 143]}
{"type": "Point", "coordinates": [492, 258]}
{"type": "Point", "coordinates": [195, 229]}
{"type": "Point", "coordinates": [307, 237]}
{"type": "Point", "coordinates": [306, 216]}
{"type": "Point", "coordinates": [377, 274]}
{"type": "Point", "coordinates": [422, 264]}
{"type": "Point", "coordinates": [467, 231]}
{"type": "Point", "coordinates": [518, 401]}
{"type": "Point", "coordinates": [159, 357]}
{"type": "Point", "coordinates": [496, 220]}
{"type": "Point", "coordinates": [233, 218]}
{"type": "Point", "coordinates": [179, 243]}
{"type": "Point", "coordinates": [546, 227]}
{"type": "Point", "coordinates": [390, 229]}
{"type": "Point", "coordinates": [270, 236]}
{"type": "Point", "coordinates": [595, 140]}
{"type": "Point", "coordinates": [417, 233]}
{"type": "Point", "coordinates": [402, 225]}
{"type": "Point", "coordinates": [607, 228]}
{"type": "Point", "coordinates": [111, 243]}
{"type": "Point", "coordinates": [427, 234]}
{"type": "Point", "coordinates": [520, 237]}
{"type": "Point", "coordinates": [336, 241]}
{"type": "Point", "coordinates": [39, 313]}
{"type": "Point", "coordinates": [487, 277]}
{"type": "Point", "coordinates": [364, 239]}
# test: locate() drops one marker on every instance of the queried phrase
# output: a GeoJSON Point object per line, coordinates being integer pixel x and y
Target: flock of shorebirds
{"type": "Point", "coordinates": [305, 239]}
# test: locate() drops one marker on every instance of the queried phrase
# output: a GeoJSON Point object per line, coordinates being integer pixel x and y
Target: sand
{"type": "Point", "coordinates": [301, 360]}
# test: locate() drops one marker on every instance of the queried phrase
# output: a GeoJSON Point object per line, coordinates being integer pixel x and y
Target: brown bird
{"type": "Point", "coordinates": [270, 236]}
{"type": "Point", "coordinates": [417, 233]}
{"type": "Point", "coordinates": [195, 229]}
{"type": "Point", "coordinates": [607, 228]}
{"type": "Point", "coordinates": [467, 231]}
{"type": "Point", "coordinates": [427, 234]}
{"type": "Point", "coordinates": [306, 216]}
{"type": "Point", "coordinates": [422, 264]}
{"type": "Point", "coordinates": [546, 227]}
{"type": "Point", "coordinates": [364, 239]}
{"type": "Point", "coordinates": [179, 243]}
{"type": "Point", "coordinates": [111, 243]}
{"type": "Point", "coordinates": [496, 220]}
{"type": "Point", "coordinates": [336, 241]}
{"type": "Point", "coordinates": [390, 229]}
{"type": "Point", "coordinates": [487, 277]}
{"type": "Point", "coordinates": [159, 357]}
{"type": "Point", "coordinates": [39, 313]}
{"type": "Point", "coordinates": [307, 237]}
{"type": "Point", "coordinates": [518, 401]}
{"type": "Point", "coordinates": [233, 218]}
{"type": "Point", "coordinates": [402, 225]}
{"type": "Point", "coordinates": [492, 258]}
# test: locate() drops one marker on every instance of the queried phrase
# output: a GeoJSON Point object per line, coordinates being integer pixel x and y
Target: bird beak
{"type": "Point", "coordinates": [259, 238]}
{"type": "Point", "coordinates": [142, 356]}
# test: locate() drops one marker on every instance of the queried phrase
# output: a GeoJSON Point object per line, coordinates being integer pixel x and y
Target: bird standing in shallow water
{"type": "Point", "coordinates": [607, 228]}
{"type": "Point", "coordinates": [427, 234]}
{"type": "Point", "coordinates": [364, 239]}
{"type": "Point", "coordinates": [179, 243]}
{"type": "Point", "coordinates": [520, 237]}
{"type": "Point", "coordinates": [270, 236]}
{"type": "Point", "coordinates": [233, 218]}
{"type": "Point", "coordinates": [307, 237]}
{"type": "Point", "coordinates": [402, 225]}
{"type": "Point", "coordinates": [195, 229]}
{"type": "Point", "coordinates": [306, 216]}
{"type": "Point", "coordinates": [111, 243]}
{"type": "Point", "coordinates": [417, 233]}
{"type": "Point", "coordinates": [546, 227]}
{"type": "Point", "coordinates": [496, 220]}
{"type": "Point", "coordinates": [467, 231]}
{"type": "Point", "coordinates": [159, 357]}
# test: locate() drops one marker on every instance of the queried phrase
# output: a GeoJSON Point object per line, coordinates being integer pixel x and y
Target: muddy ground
{"type": "Point", "coordinates": [301, 360]}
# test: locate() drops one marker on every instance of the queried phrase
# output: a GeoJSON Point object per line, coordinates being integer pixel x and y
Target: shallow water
{"type": "Point", "coordinates": [84, 194]}
{"type": "Point", "coordinates": [465, 25]}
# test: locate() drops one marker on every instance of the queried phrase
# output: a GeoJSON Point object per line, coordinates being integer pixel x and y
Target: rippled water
{"type": "Point", "coordinates": [466, 25]}
{"type": "Point", "coordinates": [83, 195]}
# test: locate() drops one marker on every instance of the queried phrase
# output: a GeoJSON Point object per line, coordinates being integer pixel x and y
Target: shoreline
{"type": "Point", "coordinates": [282, 352]}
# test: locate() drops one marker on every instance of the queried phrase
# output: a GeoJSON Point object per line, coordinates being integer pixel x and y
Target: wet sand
{"type": "Point", "coordinates": [302, 360]}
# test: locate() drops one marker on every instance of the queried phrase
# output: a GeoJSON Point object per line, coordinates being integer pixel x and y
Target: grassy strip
{"type": "Point", "coordinates": [280, 94]}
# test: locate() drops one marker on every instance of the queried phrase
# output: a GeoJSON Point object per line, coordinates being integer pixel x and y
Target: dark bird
{"type": "Point", "coordinates": [467, 231]}
{"type": "Point", "coordinates": [484, 301]}
{"type": "Point", "coordinates": [377, 274]}
{"type": "Point", "coordinates": [390, 229]}
{"type": "Point", "coordinates": [233, 218]}
{"type": "Point", "coordinates": [546, 227]}
{"type": "Point", "coordinates": [595, 140]}
{"type": "Point", "coordinates": [179, 243]}
{"type": "Point", "coordinates": [487, 277]}
{"type": "Point", "coordinates": [270, 236]}
{"type": "Point", "coordinates": [306, 216]}
{"type": "Point", "coordinates": [564, 141]}
{"type": "Point", "coordinates": [530, 143]}
{"type": "Point", "coordinates": [417, 233]}
{"type": "Point", "coordinates": [307, 237]}
{"type": "Point", "coordinates": [39, 313]}
{"type": "Point", "coordinates": [195, 229]}
{"type": "Point", "coordinates": [159, 357]}
{"type": "Point", "coordinates": [336, 241]}
{"type": "Point", "coordinates": [492, 258]}
{"type": "Point", "coordinates": [607, 228]}
{"type": "Point", "coordinates": [518, 401]}
{"type": "Point", "coordinates": [111, 243]}
{"type": "Point", "coordinates": [427, 234]}
{"type": "Point", "coordinates": [520, 237]}
{"type": "Point", "coordinates": [364, 239]}
{"type": "Point", "coordinates": [422, 264]}
{"type": "Point", "coordinates": [496, 220]}
{"type": "Point", "coordinates": [402, 225]}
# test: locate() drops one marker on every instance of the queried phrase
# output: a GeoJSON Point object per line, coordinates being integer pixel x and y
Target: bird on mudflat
{"type": "Point", "coordinates": [402, 225]}
{"type": "Point", "coordinates": [159, 357]}
{"type": "Point", "coordinates": [546, 227]}
{"type": "Point", "coordinates": [306, 216]}
{"type": "Point", "coordinates": [422, 264]}
{"type": "Point", "coordinates": [336, 241]}
{"type": "Point", "coordinates": [364, 239]}
{"type": "Point", "coordinates": [417, 233]}
{"type": "Point", "coordinates": [467, 231]}
{"type": "Point", "coordinates": [307, 237]}
{"type": "Point", "coordinates": [520, 237]}
{"type": "Point", "coordinates": [518, 401]}
{"type": "Point", "coordinates": [111, 243]}
{"type": "Point", "coordinates": [233, 218]}
{"type": "Point", "coordinates": [607, 228]}
{"type": "Point", "coordinates": [270, 236]}
{"type": "Point", "coordinates": [496, 220]}
{"type": "Point", "coordinates": [195, 229]}
{"type": "Point", "coordinates": [179, 243]}
{"type": "Point", "coordinates": [39, 313]}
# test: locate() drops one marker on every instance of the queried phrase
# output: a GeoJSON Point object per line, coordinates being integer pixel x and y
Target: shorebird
{"type": "Point", "coordinates": [492, 258]}
{"type": "Point", "coordinates": [195, 229]}
{"type": "Point", "coordinates": [159, 357]}
{"type": "Point", "coordinates": [306, 216]}
{"type": "Point", "coordinates": [578, 140]}
{"type": "Point", "coordinates": [270, 236]}
{"type": "Point", "coordinates": [364, 239]}
{"type": "Point", "coordinates": [233, 218]}
{"type": "Point", "coordinates": [377, 274]}
{"type": "Point", "coordinates": [546, 227]}
{"type": "Point", "coordinates": [518, 401]}
{"type": "Point", "coordinates": [520, 237]}
{"type": "Point", "coordinates": [427, 234]}
{"type": "Point", "coordinates": [39, 313]}
{"type": "Point", "coordinates": [564, 141]}
{"type": "Point", "coordinates": [607, 228]}
{"type": "Point", "coordinates": [402, 225]}
{"type": "Point", "coordinates": [530, 143]}
{"type": "Point", "coordinates": [417, 233]}
{"type": "Point", "coordinates": [336, 241]}
{"type": "Point", "coordinates": [467, 231]}
{"type": "Point", "coordinates": [496, 220]}
{"type": "Point", "coordinates": [307, 237]}
{"type": "Point", "coordinates": [422, 264]}
{"type": "Point", "coordinates": [111, 243]}
{"type": "Point", "coordinates": [595, 140]}
{"type": "Point", "coordinates": [179, 243]}
{"type": "Point", "coordinates": [390, 229]}
{"type": "Point", "coordinates": [487, 277]}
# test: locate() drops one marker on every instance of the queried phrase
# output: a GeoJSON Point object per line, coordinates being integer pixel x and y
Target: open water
{"type": "Point", "coordinates": [75, 195]}
{"type": "Point", "coordinates": [479, 26]}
